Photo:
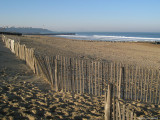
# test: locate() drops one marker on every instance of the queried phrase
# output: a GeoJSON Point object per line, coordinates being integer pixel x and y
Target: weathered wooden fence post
{"type": "Point", "coordinates": [87, 75]}
{"type": "Point", "coordinates": [102, 80]}
{"type": "Point", "coordinates": [83, 69]}
{"type": "Point", "coordinates": [108, 102]}
{"type": "Point", "coordinates": [71, 75]}
{"type": "Point", "coordinates": [123, 81]}
{"type": "Point", "coordinates": [120, 82]}
{"type": "Point", "coordinates": [77, 75]}
{"type": "Point", "coordinates": [64, 77]}
{"type": "Point", "coordinates": [95, 79]}
{"type": "Point", "coordinates": [80, 77]}
{"type": "Point", "coordinates": [61, 77]}
{"type": "Point", "coordinates": [56, 75]}
{"type": "Point", "coordinates": [92, 73]}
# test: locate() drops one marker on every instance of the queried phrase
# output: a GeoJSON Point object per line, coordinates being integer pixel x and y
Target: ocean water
{"type": "Point", "coordinates": [115, 36]}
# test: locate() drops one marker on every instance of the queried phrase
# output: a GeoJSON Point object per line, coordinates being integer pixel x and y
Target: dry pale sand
{"type": "Point", "coordinates": [26, 96]}
{"type": "Point", "coordinates": [141, 54]}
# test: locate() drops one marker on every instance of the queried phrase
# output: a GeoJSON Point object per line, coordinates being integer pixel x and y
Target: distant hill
{"type": "Point", "coordinates": [26, 30]}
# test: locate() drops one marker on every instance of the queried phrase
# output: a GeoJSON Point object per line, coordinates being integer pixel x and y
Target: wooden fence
{"type": "Point", "coordinates": [92, 77]}
{"type": "Point", "coordinates": [21, 51]}
{"type": "Point", "coordinates": [86, 76]}
{"type": "Point", "coordinates": [117, 109]}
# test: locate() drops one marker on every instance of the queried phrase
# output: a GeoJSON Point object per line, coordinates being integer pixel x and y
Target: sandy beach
{"type": "Point", "coordinates": [134, 53]}
{"type": "Point", "coordinates": [24, 95]}
{"type": "Point", "coordinates": [79, 60]}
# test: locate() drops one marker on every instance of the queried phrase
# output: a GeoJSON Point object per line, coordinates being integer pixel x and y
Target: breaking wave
{"type": "Point", "coordinates": [109, 38]}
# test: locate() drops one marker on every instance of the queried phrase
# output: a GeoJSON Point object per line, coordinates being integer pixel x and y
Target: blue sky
{"type": "Point", "coordinates": [83, 15]}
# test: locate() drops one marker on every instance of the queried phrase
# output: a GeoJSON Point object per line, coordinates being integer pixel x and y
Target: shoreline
{"type": "Point", "coordinates": [115, 36]}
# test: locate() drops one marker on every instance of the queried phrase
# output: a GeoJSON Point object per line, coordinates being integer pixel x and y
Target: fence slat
{"type": "Point", "coordinates": [117, 81]}
{"type": "Point", "coordinates": [129, 84]}
{"type": "Point", "coordinates": [123, 112]}
{"type": "Point", "coordinates": [92, 78]}
{"type": "Point", "coordinates": [117, 118]}
{"type": "Point", "coordinates": [114, 109]}
{"type": "Point", "coordinates": [127, 114]}
{"type": "Point", "coordinates": [157, 84]}
{"type": "Point", "coordinates": [145, 80]}
{"type": "Point", "coordinates": [139, 80]}
{"type": "Point", "coordinates": [86, 81]}
{"type": "Point", "coordinates": [154, 86]}
{"type": "Point", "coordinates": [114, 91]}
{"type": "Point", "coordinates": [119, 110]}
{"type": "Point", "coordinates": [111, 79]}
{"type": "Point", "coordinates": [126, 81]}
{"type": "Point", "coordinates": [132, 83]}
{"type": "Point", "coordinates": [98, 80]}
{"type": "Point", "coordinates": [147, 92]}
{"type": "Point", "coordinates": [77, 76]}
{"type": "Point", "coordinates": [141, 98]}
{"type": "Point", "coordinates": [61, 77]}
{"type": "Point", "coordinates": [102, 82]}
{"type": "Point", "coordinates": [150, 100]}
{"type": "Point", "coordinates": [108, 103]}
{"type": "Point", "coordinates": [123, 82]}
{"type": "Point", "coordinates": [56, 75]}
{"type": "Point", "coordinates": [95, 79]}
{"type": "Point", "coordinates": [120, 83]}
{"type": "Point", "coordinates": [73, 75]}
{"type": "Point", "coordinates": [64, 76]}
{"type": "Point", "coordinates": [80, 76]}
{"type": "Point", "coordinates": [89, 77]}
{"type": "Point", "coordinates": [67, 75]}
